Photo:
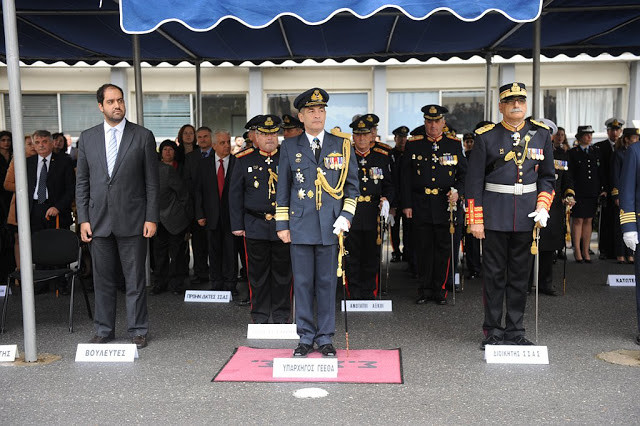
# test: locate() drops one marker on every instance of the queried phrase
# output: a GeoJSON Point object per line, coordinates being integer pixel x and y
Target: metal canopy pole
{"type": "Point", "coordinates": [137, 73]}
{"type": "Point", "coordinates": [198, 95]}
{"type": "Point", "coordinates": [536, 111]}
{"type": "Point", "coordinates": [20, 164]}
{"type": "Point", "coordinates": [487, 88]}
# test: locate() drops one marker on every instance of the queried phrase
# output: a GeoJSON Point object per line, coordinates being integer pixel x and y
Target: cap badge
{"type": "Point", "coordinates": [316, 96]}
{"type": "Point", "coordinates": [268, 122]}
{"type": "Point", "coordinates": [369, 118]}
{"type": "Point", "coordinates": [433, 110]}
{"type": "Point", "coordinates": [361, 124]}
{"type": "Point", "coordinates": [515, 87]}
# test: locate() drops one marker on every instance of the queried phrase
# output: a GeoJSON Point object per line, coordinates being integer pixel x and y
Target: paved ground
{"type": "Point", "coordinates": [446, 379]}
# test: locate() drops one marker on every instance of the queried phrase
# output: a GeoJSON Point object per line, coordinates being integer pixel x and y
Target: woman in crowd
{"type": "Point", "coordinates": [560, 139]}
{"type": "Point", "coordinates": [629, 136]}
{"type": "Point", "coordinates": [186, 142]}
{"type": "Point", "coordinates": [585, 170]}
{"type": "Point", "coordinates": [10, 185]}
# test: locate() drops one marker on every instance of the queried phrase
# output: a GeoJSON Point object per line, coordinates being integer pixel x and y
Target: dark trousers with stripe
{"type": "Point", "coordinates": [362, 263]}
{"type": "Point", "coordinates": [314, 278]}
{"type": "Point", "coordinates": [433, 244]}
{"type": "Point", "coordinates": [269, 274]}
{"type": "Point", "coordinates": [506, 267]}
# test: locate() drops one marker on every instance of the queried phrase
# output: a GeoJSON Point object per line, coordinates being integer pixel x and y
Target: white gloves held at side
{"type": "Point", "coordinates": [630, 239]}
{"type": "Point", "coordinates": [540, 216]}
{"type": "Point", "coordinates": [340, 225]}
{"type": "Point", "coordinates": [384, 210]}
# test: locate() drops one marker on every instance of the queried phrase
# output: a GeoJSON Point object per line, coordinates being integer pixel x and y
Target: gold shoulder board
{"type": "Point", "coordinates": [484, 129]}
{"type": "Point", "coordinates": [381, 151]}
{"type": "Point", "coordinates": [540, 124]}
{"type": "Point", "coordinates": [245, 152]}
{"type": "Point", "coordinates": [415, 138]}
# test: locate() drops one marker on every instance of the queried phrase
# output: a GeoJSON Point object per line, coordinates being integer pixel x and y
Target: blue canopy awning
{"type": "Point", "coordinates": [73, 31]}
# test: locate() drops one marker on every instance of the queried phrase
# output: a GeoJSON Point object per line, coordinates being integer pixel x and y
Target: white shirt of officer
{"type": "Point", "coordinates": [311, 138]}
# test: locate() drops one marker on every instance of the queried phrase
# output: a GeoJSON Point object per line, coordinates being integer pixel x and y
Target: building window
{"type": "Point", "coordinates": [225, 112]}
{"type": "Point", "coordinates": [39, 112]}
{"type": "Point", "coordinates": [340, 109]}
{"type": "Point", "coordinates": [404, 108]}
{"type": "Point", "coordinates": [79, 112]}
{"type": "Point", "coordinates": [164, 114]}
{"type": "Point", "coordinates": [466, 109]}
{"type": "Point", "coordinates": [570, 108]}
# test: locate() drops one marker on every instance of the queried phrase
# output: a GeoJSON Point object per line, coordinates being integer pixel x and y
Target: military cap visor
{"type": "Point", "coordinates": [372, 118]}
{"type": "Point", "coordinates": [512, 90]}
{"type": "Point", "coordinates": [401, 131]}
{"type": "Point", "coordinates": [361, 125]}
{"type": "Point", "coordinates": [253, 123]}
{"type": "Point", "coordinates": [614, 123]}
{"type": "Point", "coordinates": [434, 112]}
{"type": "Point", "coordinates": [269, 124]}
{"type": "Point", "coordinates": [310, 98]}
{"type": "Point", "coordinates": [630, 131]}
{"type": "Point", "coordinates": [290, 122]}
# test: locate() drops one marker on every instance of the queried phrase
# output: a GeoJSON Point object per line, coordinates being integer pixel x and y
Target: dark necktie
{"type": "Point", "coordinates": [220, 178]}
{"type": "Point", "coordinates": [42, 183]}
{"type": "Point", "coordinates": [204, 154]}
{"type": "Point", "coordinates": [317, 148]}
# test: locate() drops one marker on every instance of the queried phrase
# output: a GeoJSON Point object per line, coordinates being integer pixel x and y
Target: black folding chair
{"type": "Point", "coordinates": [52, 248]}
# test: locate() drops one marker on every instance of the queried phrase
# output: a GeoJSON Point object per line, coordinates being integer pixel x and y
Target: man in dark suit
{"type": "Point", "coordinates": [212, 213]}
{"type": "Point", "coordinates": [310, 216]}
{"type": "Point", "coordinates": [199, 241]}
{"type": "Point", "coordinates": [117, 201]}
{"type": "Point", "coordinates": [51, 185]}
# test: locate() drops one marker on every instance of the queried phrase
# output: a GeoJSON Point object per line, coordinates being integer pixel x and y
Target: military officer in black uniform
{"type": "Point", "coordinates": [553, 236]}
{"type": "Point", "coordinates": [250, 137]}
{"type": "Point", "coordinates": [252, 201]}
{"type": "Point", "coordinates": [509, 186]}
{"type": "Point", "coordinates": [400, 135]}
{"type": "Point", "coordinates": [316, 201]}
{"type": "Point", "coordinates": [629, 201]}
{"type": "Point", "coordinates": [376, 193]}
{"type": "Point", "coordinates": [291, 126]}
{"type": "Point", "coordinates": [587, 172]}
{"type": "Point", "coordinates": [433, 176]}
{"type": "Point", "coordinates": [608, 212]}
{"type": "Point", "coordinates": [471, 243]}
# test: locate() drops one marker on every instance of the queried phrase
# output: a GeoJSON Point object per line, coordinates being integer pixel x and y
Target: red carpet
{"type": "Point", "coordinates": [362, 366]}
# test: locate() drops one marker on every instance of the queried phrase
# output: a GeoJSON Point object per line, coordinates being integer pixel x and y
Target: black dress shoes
{"type": "Point", "coordinates": [520, 341]}
{"type": "Point", "coordinates": [421, 300]}
{"type": "Point", "coordinates": [140, 341]}
{"type": "Point", "coordinates": [244, 302]}
{"type": "Point", "coordinates": [491, 340]}
{"type": "Point", "coordinates": [395, 258]}
{"type": "Point", "coordinates": [302, 350]}
{"type": "Point", "coordinates": [327, 350]}
{"type": "Point", "coordinates": [549, 292]}
{"type": "Point", "coordinates": [101, 339]}
{"type": "Point", "coordinates": [472, 275]}
{"type": "Point", "coordinates": [441, 301]}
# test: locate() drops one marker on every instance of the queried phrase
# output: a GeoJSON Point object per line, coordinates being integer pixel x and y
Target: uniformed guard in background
{"type": "Point", "coordinates": [509, 186]}
{"type": "Point", "coordinates": [252, 204]}
{"type": "Point", "coordinates": [608, 210]}
{"type": "Point", "coordinates": [629, 212]}
{"type": "Point", "coordinates": [400, 135]}
{"type": "Point", "coordinates": [291, 126]}
{"type": "Point", "coordinates": [376, 193]}
{"type": "Point", "coordinates": [553, 236]}
{"type": "Point", "coordinates": [316, 200]}
{"type": "Point", "coordinates": [433, 176]}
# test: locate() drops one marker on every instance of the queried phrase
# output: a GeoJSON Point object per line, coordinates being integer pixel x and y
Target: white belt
{"type": "Point", "coordinates": [517, 189]}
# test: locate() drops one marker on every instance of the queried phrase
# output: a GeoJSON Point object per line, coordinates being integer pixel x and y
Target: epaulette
{"type": "Point", "coordinates": [381, 151]}
{"type": "Point", "coordinates": [384, 145]}
{"type": "Point", "coordinates": [453, 137]}
{"type": "Point", "coordinates": [245, 152]}
{"type": "Point", "coordinates": [484, 129]}
{"type": "Point", "coordinates": [415, 138]}
{"type": "Point", "coordinates": [342, 135]}
{"type": "Point", "coordinates": [539, 124]}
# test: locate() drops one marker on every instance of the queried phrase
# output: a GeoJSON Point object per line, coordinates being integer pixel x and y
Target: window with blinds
{"type": "Point", "coordinates": [39, 112]}
{"type": "Point", "coordinates": [164, 114]}
{"type": "Point", "coordinates": [79, 113]}
{"type": "Point", "coordinates": [225, 111]}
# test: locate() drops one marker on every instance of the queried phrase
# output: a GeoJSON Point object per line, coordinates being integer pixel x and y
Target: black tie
{"type": "Point", "coordinates": [204, 154]}
{"type": "Point", "coordinates": [42, 183]}
{"type": "Point", "coordinates": [316, 151]}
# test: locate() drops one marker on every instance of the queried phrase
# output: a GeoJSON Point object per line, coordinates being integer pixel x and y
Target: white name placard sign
{"type": "Point", "coordinates": [457, 278]}
{"type": "Point", "coordinates": [8, 353]}
{"type": "Point", "coordinates": [512, 354]}
{"type": "Point", "coordinates": [308, 368]}
{"type": "Point", "coordinates": [272, 331]}
{"type": "Point", "coordinates": [112, 352]}
{"type": "Point", "coordinates": [621, 280]}
{"type": "Point", "coordinates": [368, 306]}
{"type": "Point", "coordinates": [207, 296]}
{"type": "Point", "coordinates": [3, 290]}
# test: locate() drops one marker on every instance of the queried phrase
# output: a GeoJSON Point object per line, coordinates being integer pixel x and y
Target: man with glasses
{"type": "Point", "coordinates": [509, 186]}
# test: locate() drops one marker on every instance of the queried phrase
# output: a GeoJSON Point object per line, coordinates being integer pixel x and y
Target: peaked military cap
{"type": "Point", "coordinates": [253, 123]}
{"type": "Point", "coordinates": [401, 131]}
{"type": "Point", "coordinates": [513, 90]}
{"type": "Point", "coordinates": [372, 118]}
{"type": "Point", "coordinates": [630, 131]}
{"type": "Point", "coordinates": [434, 112]}
{"type": "Point", "coordinates": [361, 125]}
{"type": "Point", "coordinates": [269, 123]}
{"type": "Point", "coordinates": [614, 123]}
{"type": "Point", "coordinates": [312, 97]}
{"type": "Point", "coordinates": [290, 122]}
{"type": "Point", "coordinates": [583, 129]}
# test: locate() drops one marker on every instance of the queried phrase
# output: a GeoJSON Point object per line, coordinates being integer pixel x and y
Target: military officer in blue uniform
{"type": "Point", "coordinates": [630, 136]}
{"type": "Point", "coordinates": [376, 193]}
{"type": "Point", "coordinates": [510, 185]}
{"type": "Point", "coordinates": [252, 205]}
{"type": "Point", "coordinates": [433, 174]}
{"type": "Point", "coordinates": [629, 200]}
{"type": "Point", "coordinates": [316, 200]}
{"type": "Point", "coordinates": [291, 126]}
